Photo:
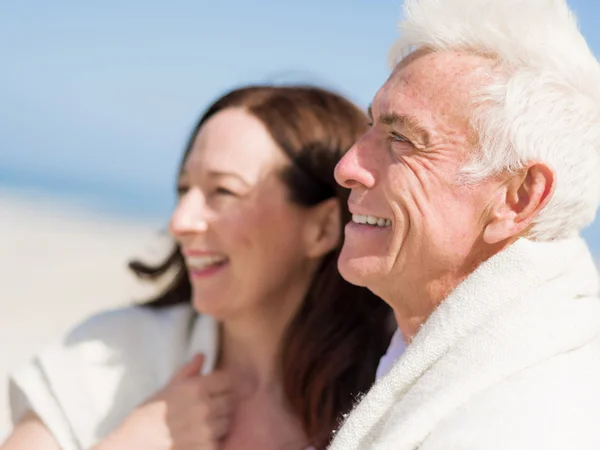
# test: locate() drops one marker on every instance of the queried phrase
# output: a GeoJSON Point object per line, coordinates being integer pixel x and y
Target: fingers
{"type": "Point", "coordinates": [219, 427]}
{"type": "Point", "coordinates": [212, 418]}
{"type": "Point", "coordinates": [190, 369]}
{"type": "Point", "coordinates": [199, 408]}
{"type": "Point", "coordinates": [215, 384]}
{"type": "Point", "coordinates": [221, 405]}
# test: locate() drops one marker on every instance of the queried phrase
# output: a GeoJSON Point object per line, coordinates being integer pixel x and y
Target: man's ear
{"type": "Point", "coordinates": [519, 202]}
{"type": "Point", "coordinates": [323, 229]}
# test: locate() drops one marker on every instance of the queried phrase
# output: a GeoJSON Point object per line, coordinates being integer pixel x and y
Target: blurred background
{"type": "Point", "coordinates": [96, 102]}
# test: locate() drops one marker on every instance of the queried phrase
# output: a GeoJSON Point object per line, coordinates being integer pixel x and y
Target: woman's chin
{"type": "Point", "coordinates": [210, 307]}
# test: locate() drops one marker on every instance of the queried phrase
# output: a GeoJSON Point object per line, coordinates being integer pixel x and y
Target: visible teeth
{"type": "Point", "coordinates": [202, 262]}
{"type": "Point", "coordinates": [371, 220]}
{"type": "Point", "coordinates": [359, 219]}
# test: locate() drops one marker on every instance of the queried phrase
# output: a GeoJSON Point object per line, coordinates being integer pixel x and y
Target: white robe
{"type": "Point", "coordinates": [84, 386]}
{"type": "Point", "coordinates": [510, 360]}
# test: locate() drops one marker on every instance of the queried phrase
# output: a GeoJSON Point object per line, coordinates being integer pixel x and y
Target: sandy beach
{"type": "Point", "coordinates": [59, 266]}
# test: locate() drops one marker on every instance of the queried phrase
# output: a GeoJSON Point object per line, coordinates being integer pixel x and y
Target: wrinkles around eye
{"type": "Point", "coordinates": [397, 137]}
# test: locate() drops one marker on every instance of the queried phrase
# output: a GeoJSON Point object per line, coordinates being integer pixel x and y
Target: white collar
{"type": "Point", "coordinates": [204, 339]}
{"type": "Point", "coordinates": [393, 353]}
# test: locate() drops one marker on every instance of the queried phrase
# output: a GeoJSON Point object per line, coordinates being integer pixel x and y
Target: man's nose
{"type": "Point", "coordinates": [351, 171]}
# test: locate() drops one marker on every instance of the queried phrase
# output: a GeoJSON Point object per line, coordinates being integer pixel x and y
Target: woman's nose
{"type": "Point", "coordinates": [189, 216]}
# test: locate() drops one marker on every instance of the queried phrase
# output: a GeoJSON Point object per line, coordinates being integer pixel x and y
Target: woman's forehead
{"type": "Point", "coordinates": [234, 141]}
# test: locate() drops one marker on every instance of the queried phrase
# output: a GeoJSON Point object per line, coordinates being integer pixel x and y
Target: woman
{"type": "Point", "coordinates": [257, 343]}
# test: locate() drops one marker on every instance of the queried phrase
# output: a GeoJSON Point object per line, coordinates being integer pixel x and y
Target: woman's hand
{"type": "Point", "coordinates": [192, 412]}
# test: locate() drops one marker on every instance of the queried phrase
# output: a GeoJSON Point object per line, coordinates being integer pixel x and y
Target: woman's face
{"type": "Point", "coordinates": [241, 236]}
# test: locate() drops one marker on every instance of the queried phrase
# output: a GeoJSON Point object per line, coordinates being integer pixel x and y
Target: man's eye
{"type": "Point", "coordinates": [397, 137]}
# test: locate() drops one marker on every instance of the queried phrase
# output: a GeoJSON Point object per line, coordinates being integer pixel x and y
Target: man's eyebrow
{"type": "Point", "coordinates": [410, 123]}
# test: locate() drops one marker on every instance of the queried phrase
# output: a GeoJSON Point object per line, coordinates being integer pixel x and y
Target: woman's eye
{"type": "Point", "coordinates": [223, 191]}
{"type": "Point", "coordinates": [182, 190]}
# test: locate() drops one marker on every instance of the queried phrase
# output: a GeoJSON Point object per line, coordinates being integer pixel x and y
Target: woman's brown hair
{"type": "Point", "coordinates": [332, 347]}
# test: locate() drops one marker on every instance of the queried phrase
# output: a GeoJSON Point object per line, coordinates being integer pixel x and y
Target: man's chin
{"type": "Point", "coordinates": [356, 270]}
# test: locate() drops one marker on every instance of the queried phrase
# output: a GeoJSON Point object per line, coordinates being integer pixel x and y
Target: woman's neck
{"type": "Point", "coordinates": [251, 342]}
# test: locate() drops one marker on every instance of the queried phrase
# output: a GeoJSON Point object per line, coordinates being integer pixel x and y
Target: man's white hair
{"type": "Point", "coordinates": [543, 103]}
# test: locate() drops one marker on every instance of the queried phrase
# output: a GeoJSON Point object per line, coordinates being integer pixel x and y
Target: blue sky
{"type": "Point", "coordinates": [97, 98]}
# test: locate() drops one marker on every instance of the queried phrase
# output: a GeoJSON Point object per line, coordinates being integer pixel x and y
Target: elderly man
{"type": "Point", "coordinates": [468, 193]}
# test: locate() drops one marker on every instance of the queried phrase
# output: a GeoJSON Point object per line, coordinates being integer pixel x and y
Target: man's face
{"type": "Point", "coordinates": [405, 170]}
